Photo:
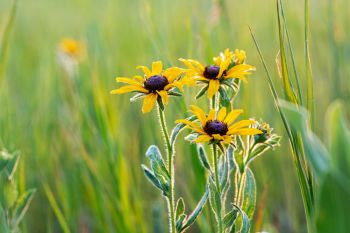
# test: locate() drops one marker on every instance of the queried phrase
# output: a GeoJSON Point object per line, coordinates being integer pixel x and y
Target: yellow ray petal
{"type": "Point", "coordinates": [211, 115]}
{"type": "Point", "coordinates": [222, 114]}
{"type": "Point", "coordinates": [128, 81]}
{"type": "Point", "coordinates": [245, 131]}
{"type": "Point", "coordinates": [165, 96]}
{"type": "Point", "coordinates": [157, 68]}
{"type": "Point", "coordinates": [214, 86]}
{"type": "Point", "coordinates": [203, 138]}
{"type": "Point", "coordinates": [218, 137]}
{"type": "Point", "coordinates": [227, 139]}
{"type": "Point", "coordinates": [193, 65]}
{"type": "Point", "coordinates": [139, 78]}
{"type": "Point", "coordinates": [191, 125]}
{"type": "Point", "coordinates": [129, 88]}
{"type": "Point", "coordinates": [232, 116]}
{"type": "Point", "coordinates": [145, 70]}
{"type": "Point", "coordinates": [200, 114]}
{"type": "Point", "coordinates": [149, 102]}
{"type": "Point", "coordinates": [241, 124]}
{"type": "Point", "coordinates": [173, 73]}
{"type": "Point", "coordinates": [239, 70]}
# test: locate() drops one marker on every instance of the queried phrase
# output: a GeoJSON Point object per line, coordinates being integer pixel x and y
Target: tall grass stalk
{"type": "Point", "coordinates": [305, 175]}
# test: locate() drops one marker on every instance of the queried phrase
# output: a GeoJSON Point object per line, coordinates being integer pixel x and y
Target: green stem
{"type": "Point", "coordinates": [217, 183]}
{"type": "Point", "coordinates": [171, 200]}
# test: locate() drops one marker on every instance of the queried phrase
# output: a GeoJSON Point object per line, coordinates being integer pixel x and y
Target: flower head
{"type": "Point", "coordinates": [71, 47]}
{"type": "Point", "coordinates": [156, 84]}
{"type": "Point", "coordinates": [226, 66]}
{"type": "Point", "coordinates": [218, 126]}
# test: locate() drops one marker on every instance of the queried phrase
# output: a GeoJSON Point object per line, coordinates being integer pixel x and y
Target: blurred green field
{"type": "Point", "coordinates": [82, 147]}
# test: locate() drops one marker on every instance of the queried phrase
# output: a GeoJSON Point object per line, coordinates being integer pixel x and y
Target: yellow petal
{"type": "Point", "coordinates": [129, 88]}
{"type": "Point", "coordinates": [203, 138]}
{"type": "Point", "coordinates": [245, 131]}
{"type": "Point", "coordinates": [165, 96]}
{"type": "Point", "coordinates": [139, 78]}
{"type": "Point", "coordinates": [241, 124]}
{"type": "Point", "coordinates": [227, 139]}
{"type": "Point", "coordinates": [211, 115]}
{"type": "Point", "coordinates": [222, 114]}
{"type": "Point", "coordinates": [149, 102]}
{"type": "Point", "coordinates": [128, 81]}
{"type": "Point", "coordinates": [239, 70]}
{"type": "Point", "coordinates": [188, 81]}
{"type": "Point", "coordinates": [145, 70]}
{"type": "Point", "coordinates": [193, 65]}
{"type": "Point", "coordinates": [218, 137]}
{"type": "Point", "coordinates": [157, 68]}
{"type": "Point", "coordinates": [232, 116]}
{"type": "Point", "coordinates": [173, 73]}
{"type": "Point", "coordinates": [191, 125]}
{"type": "Point", "coordinates": [200, 114]}
{"type": "Point", "coordinates": [214, 86]}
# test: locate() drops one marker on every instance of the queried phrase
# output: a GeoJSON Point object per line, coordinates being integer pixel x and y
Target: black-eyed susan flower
{"type": "Point", "coordinates": [217, 127]}
{"type": "Point", "coordinates": [156, 84]}
{"type": "Point", "coordinates": [227, 65]}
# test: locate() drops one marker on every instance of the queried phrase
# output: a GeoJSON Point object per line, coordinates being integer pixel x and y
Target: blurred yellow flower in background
{"type": "Point", "coordinates": [70, 53]}
{"type": "Point", "coordinates": [72, 48]}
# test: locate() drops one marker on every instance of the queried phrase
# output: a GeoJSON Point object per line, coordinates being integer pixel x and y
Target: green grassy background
{"type": "Point", "coordinates": [82, 148]}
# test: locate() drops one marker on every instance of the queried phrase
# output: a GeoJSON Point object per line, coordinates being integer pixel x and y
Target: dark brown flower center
{"type": "Point", "coordinates": [156, 83]}
{"type": "Point", "coordinates": [211, 72]}
{"type": "Point", "coordinates": [215, 127]}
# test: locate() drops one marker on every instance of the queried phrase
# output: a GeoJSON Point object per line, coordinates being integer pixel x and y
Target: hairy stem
{"type": "Point", "coordinates": [170, 199]}
{"type": "Point", "coordinates": [217, 183]}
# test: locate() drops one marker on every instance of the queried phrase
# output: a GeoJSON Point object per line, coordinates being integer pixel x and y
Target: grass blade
{"type": "Point", "coordinates": [6, 39]}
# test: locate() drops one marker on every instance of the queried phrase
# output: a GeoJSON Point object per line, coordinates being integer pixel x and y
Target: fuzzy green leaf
{"type": "Point", "coordinates": [249, 194]}
{"type": "Point", "coordinates": [192, 217]}
{"type": "Point", "coordinates": [177, 129]}
{"type": "Point", "coordinates": [245, 225]}
{"type": "Point", "coordinates": [203, 156]}
{"type": "Point", "coordinates": [153, 179]}
{"type": "Point", "coordinates": [229, 219]}
{"type": "Point", "coordinates": [202, 91]}
{"type": "Point", "coordinates": [157, 162]}
{"type": "Point", "coordinates": [180, 207]}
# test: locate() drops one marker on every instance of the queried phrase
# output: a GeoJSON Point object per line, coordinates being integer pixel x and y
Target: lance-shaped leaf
{"type": "Point", "coordinates": [245, 225]}
{"type": "Point", "coordinates": [203, 156]}
{"type": "Point", "coordinates": [214, 198]}
{"type": "Point", "coordinates": [202, 91]}
{"type": "Point", "coordinates": [229, 220]}
{"type": "Point", "coordinates": [180, 207]}
{"type": "Point", "coordinates": [22, 205]}
{"type": "Point", "coordinates": [177, 129]}
{"type": "Point", "coordinates": [153, 179]}
{"type": "Point", "coordinates": [157, 162]}
{"type": "Point", "coordinates": [249, 194]}
{"type": "Point", "coordinates": [260, 148]}
{"type": "Point", "coordinates": [137, 97]}
{"type": "Point", "coordinates": [224, 99]}
{"type": "Point", "coordinates": [223, 172]}
{"type": "Point", "coordinates": [192, 217]}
